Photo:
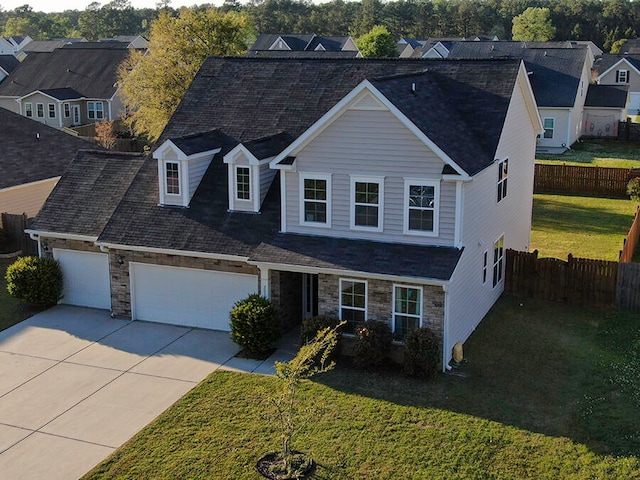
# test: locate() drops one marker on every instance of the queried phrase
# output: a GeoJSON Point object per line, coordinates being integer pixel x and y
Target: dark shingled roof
{"type": "Point", "coordinates": [110, 45]}
{"type": "Point", "coordinates": [90, 72]}
{"type": "Point", "coordinates": [295, 42]}
{"type": "Point", "coordinates": [269, 146]}
{"type": "Point", "coordinates": [62, 93]}
{"type": "Point", "coordinates": [555, 74]}
{"type": "Point", "coordinates": [8, 63]}
{"type": "Point", "coordinates": [607, 60]}
{"type": "Point", "coordinates": [24, 158]}
{"type": "Point", "coordinates": [46, 46]}
{"type": "Point", "coordinates": [86, 196]}
{"type": "Point", "coordinates": [302, 54]}
{"type": "Point", "coordinates": [202, 142]}
{"type": "Point", "coordinates": [612, 96]}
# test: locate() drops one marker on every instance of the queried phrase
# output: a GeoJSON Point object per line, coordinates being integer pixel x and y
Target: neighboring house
{"type": "Point", "coordinates": [604, 107]}
{"type": "Point", "coordinates": [132, 41]}
{"type": "Point", "coordinates": [73, 85]}
{"type": "Point", "coordinates": [435, 48]}
{"type": "Point", "coordinates": [631, 47]}
{"type": "Point", "coordinates": [13, 45]}
{"type": "Point", "coordinates": [32, 159]}
{"type": "Point", "coordinates": [364, 189]}
{"type": "Point", "coordinates": [559, 78]}
{"type": "Point", "coordinates": [299, 46]}
{"type": "Point", "coordinates": [621, 70]}
{"type": "Point", "coordinates": [45, 46]}
{"type": "Point", "coordinates": [8, 64]}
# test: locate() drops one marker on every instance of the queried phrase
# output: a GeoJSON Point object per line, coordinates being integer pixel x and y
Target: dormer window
{"type": "Point", "coordinates": [172, 178]}
{"type": "Point", "coordinates": [243, 183]}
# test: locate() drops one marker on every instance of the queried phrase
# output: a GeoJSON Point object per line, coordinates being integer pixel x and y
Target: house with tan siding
{"type": "Point", "coordinates": [362, 189]}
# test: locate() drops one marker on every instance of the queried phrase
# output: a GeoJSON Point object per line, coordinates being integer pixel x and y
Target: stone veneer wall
{"type": "Point", "coordinates": [119, 270]}
{"type": "Point", "coordinates": [380, 298]}
{"type": "Point", "coordinates": [286, 295]}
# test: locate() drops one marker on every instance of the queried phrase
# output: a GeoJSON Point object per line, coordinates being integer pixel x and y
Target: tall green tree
{"type": "Point", "coordinates": [377, 43]}
{"type": "Point", "coordinates": [153, 84]}
{"type": "Point", "coordinates": [533, 25]}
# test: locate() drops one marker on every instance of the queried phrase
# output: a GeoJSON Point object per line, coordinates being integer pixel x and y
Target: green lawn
{"type": "Point", "coordinates": [586, 227]}
{"type": "Point", "coordinates": [597, 153]}
{"type": "Point", "coordinates": [548, 392]}
{"type": "Point", "coordinates": [11, 311]}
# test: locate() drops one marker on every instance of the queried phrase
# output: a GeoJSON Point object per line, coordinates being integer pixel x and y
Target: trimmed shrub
{"type": "Point", "coordinates": [633, 189]}
{"type": "Point", "coordinates": [373, 344]}
{"type": "Point", "coordinates": [311, 326]}
{"type": "Point", "coordinates": [254, 325]}
{"type": "Point", "coordinates": [421, 353]}
{"type": "Point", "coordinates": [36, 281]}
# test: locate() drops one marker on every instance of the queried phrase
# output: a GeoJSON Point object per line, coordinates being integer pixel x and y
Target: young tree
{"type": "Point", "coordinates": [533, 25]}
{"type": "Point", "coordinates": [105, 136]}
{"type": "Point", "coordinates": [377, 43]}
{"type": "Point", "coordinates": [153, 84]}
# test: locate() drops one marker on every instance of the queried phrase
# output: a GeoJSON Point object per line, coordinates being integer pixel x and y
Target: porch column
{"type": "Point", "coordinates": [265, 282]}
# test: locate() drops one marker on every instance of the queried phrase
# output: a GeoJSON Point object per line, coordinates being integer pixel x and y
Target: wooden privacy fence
{"type": "Point", "coordinates": [628, 130]}
{"type": "Point", "coordinates": [578, 281]}
{"type": "Point", "coordinates": [630, 243]}
{"type": "Point", "coordinates": [609, 182]}
{"type": "Point", "coordinates": [14, 226]}
{"type": "Point", "coordinates": [628, 297]}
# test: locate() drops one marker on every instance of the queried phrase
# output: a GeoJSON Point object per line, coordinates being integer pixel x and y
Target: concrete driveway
{"type": "Point", "coordinates": [76, 384]}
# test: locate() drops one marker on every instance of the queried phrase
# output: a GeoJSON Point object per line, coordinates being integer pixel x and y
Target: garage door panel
{"type": "Point", "coordinates": [186, 296]}
{"type": "Point", "coordinates": [86, 278]}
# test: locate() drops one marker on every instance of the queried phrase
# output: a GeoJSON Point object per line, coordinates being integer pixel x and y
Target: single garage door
{"type": "Point", "coordinates": [187, 296]}
{"type": "Point", "coordinates": [86, 278]}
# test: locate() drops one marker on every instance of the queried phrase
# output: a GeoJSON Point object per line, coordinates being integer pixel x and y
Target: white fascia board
{"type": "Point", "coordinates": [340, 107]}
{"type": "Point", "coordinates": [240, 148]}
{"type": "Point", "coordinates": [68, 236]}
{"type": "Point", "coordinates": [282, 40]}
{"type": "Point", "coordinates": [529, 98]}
{"type": "Point", "coordinates": [167, 251]}
{"type": "Point", "coordinates": [347, 273]}
{"type": "Point", "coordinates": [168, 144]}
{"type": "Point", "coordinates": [612, 67]}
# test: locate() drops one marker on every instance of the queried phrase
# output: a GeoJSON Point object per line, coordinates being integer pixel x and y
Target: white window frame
{"type": "Point", "coordinates": [250, 184]}
{"type": "Point", "coordinates": [93, 110]}
{"type": "Point", "coordinates": [28, 108]}
{"type": "Point", "coordinates": [166, 178]}
{"type": "Point", "coordinates": [380, 205]}
{"type": "Point", "coordinates": [39, 109]}
{"type": "Point", "coordinates": [366, 297]}
{"type": "Point", "coordinates": [420, 304]}
{"type": "Point", "coordinates": [552, 129]}
{"type": "Point", "coordinates": [498, 261]}
{"type": "Point", "coordinates": [51, 112]}
{"type": "Point", "coordinates": [408, 183]}
{"type": "Point", "coordinates": [315, 176]}
{"type": "Point", "coordinates": [66, 107]}
{"type": "Point", "coordinates": [622, 76]}
{"type": "Point", "coordinates": [485, 267]}
{"type": "Point", "coordinates": [503, 176]}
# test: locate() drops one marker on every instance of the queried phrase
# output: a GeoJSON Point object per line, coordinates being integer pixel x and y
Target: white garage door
{"type": "Point", "coordinates": [187, 296]}
{"type": "Point", "coordinates": [86, 278]}
{"type": "Point", "coordinates": [634, 103]}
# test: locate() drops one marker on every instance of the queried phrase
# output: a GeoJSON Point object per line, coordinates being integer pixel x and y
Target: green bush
{"type": "Point", "coordinates": [312, 325]}
{"type": "Point", "coordinates": [421, 353]}
{"type": "Point", "coordinates": [254, 325]}
{"type": "Point", "coordinates": [373, 344]}
{"type": "Point", "coordinates": [36, 281]}
{"type": "Point", "coordinates": [633, 189]}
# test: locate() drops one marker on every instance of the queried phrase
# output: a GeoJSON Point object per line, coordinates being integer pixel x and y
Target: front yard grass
{"type": "Point", "coordinates": [586, 227]}
{"type": "Point", "coordinates": [548, 392]}
{"type": "Point", "coordinates": [597, 153]}
{"type": "Point", "coordinates": [11, 310]}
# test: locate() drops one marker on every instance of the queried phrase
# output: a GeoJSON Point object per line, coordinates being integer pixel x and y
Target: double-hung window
{"type": "Point", "coordinates": [498, 260]}
{"type": "Point", "coordinates": [315, 200]}
{"type": "Point", "coordinates": [407, 310]}
{"type": "Point", "coordinates": [67, 110]}
{"type": "Point", "coordinates": [172, 178]}
{"type": "Point", "coordinates": [353, 303]}
{"type": "Point", "coordinates": [40, 110]}
{"type": "Point", "coordinates": [95, 110]}
{"type": "Point", "coordinates": [485, 266]}
{"type": "Point", "coordinates": [367, 203]}
{"type": "Point", "coordinates": [243, 183]}
{"type": "Point", "coordinates": [622, 76]}
{"type": "Point", "coordinates": [28, 110]}
{"type": "Point", "coordinates": [421, 207]}
{"type": "Point", "coordinates": [503, 168]}
{"type": "Point", "coordinates": [52, 110]}
{"type": "Point", "coordinates": [549, 125]}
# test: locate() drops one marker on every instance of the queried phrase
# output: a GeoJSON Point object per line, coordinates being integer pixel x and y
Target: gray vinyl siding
{"type": "Point", "coordinates": [634, 77]}
{"type": "Point", "coordinates": [485, 220]}
{"type": "Point", "coordinates": [10, 103]}
{"type": "Point", "coordinates": [197, 169]}
{"type": "Point", "coordinates": [266, 177]}
{"type": "Point", "coordinates": [370, 143]}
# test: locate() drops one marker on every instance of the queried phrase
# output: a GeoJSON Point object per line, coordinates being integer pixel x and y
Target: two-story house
{"type": "Point", "coordinates": [304, 45]}
{"type": "Point", "coordinates": [365, 189]}
{"type": "Point", "coordinates": [70, 86]}
{"type": "Point", "coordinates": [622, 70]}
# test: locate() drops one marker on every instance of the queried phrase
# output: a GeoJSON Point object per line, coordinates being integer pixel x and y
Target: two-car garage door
{"type": "Point", "coordinates": [186, 296]}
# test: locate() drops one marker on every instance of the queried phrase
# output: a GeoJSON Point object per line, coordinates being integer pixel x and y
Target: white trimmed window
{"type": "Point", "coordinates": [40, 110]}
{"type": "Point", "coordinates": [498, 260]}
{"type": "Point", "coordinates": [407, 310]}
{"type": "Point", "coordinates": [367, 203]}
{"type": "Point", "coordinates": [549, 124]}
{"type": "Point", "coordinates": [485, 266]}
{"type": "Point", "coordinates": [421, 200]}
{"type": "Point", "coordinates": [172, 178]}
{"type": "Point", "coordinates": [315, 200]}
{"type": "Point", "coordinates": [52, 110]}
{"type": "Point", "coordinates": [67, 110]}
{"type": "Point", "coordinates": [243, 183]}
{"type": "Point", "coordinates": [95, 110]}
{"type": "Point", "coordinates": [503, 168]}
{"type": "Point", "coordinates": [353, 303]}
{"type": "Point", "coordinates": [622, 76]}
{"type": "Point", "coordinates": [28, 110]}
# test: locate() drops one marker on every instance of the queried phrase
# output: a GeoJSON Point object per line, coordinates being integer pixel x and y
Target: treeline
{"type": "Point", "coordinates": [603, 22]}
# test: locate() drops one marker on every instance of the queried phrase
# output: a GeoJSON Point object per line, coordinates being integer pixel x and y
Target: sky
{"type": "Point", "coordinates": [61, 5]}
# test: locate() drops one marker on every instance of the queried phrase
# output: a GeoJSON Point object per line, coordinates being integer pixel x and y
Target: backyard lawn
{"type": "Point", "coordinates": [547, 392]}
{"type": "Point", "coordinates": [597, 153]}
{"type": "Point", "coordinates": [586, 227]}
{"type": "Point", "coordinates": [11, 311]}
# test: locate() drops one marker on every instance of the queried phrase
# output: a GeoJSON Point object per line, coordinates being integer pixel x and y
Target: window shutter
{"type": "Point", "coordinates": [617, 76]}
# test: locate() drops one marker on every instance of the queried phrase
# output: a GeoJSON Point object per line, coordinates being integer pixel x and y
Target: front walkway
{"type": "Point", "coordinates": [76, 384]}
